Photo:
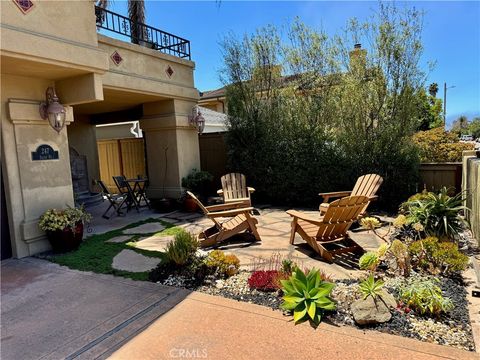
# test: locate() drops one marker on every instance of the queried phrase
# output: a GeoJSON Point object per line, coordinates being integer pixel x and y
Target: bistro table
{"type": "Point", "coordinates": [138, 191]}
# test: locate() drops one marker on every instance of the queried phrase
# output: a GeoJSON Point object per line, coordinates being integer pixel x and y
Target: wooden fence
{"type": "Point", "coordinates": [436, 175]}
{"type": "Point", "coordinates": [471, 184]}
{"type": "Point", "coordinates": [213, 155]}
{"type": "Point", "coordinates": [120, 157]}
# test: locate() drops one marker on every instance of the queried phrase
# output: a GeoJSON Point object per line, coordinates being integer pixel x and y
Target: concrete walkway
{"type": "Point", "coordinates": [51, 312]}
{"type": "Point", "coordinates": [204, 326]}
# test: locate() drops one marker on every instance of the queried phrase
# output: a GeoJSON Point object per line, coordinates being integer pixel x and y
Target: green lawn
{"type": "Point", "coordinates": [96, 255]}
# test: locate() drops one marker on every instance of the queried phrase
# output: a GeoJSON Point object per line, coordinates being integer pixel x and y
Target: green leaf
{"type": "Point", "coordinates": [299, 314]}
{"type": "Point", "coordinates": [287, 286]}
{"type": "Point", "coordinates": [312, 308]}
{"type": "Point", "coordinates": [293, 299]}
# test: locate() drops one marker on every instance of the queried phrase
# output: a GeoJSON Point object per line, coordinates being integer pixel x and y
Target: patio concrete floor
{"type": "Point", "coordinates": [273, 226]}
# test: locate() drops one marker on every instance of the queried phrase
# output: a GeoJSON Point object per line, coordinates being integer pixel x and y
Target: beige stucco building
{"type": "Point", "coordinates": [99, 80]}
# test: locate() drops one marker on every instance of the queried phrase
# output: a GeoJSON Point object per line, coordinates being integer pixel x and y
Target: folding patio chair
{"type": "Point", "coordinates": [126, 190]}
{"type": "Point", "coordinates": [116, 201]}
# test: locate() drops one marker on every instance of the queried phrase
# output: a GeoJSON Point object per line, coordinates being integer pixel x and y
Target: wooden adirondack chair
{"type": "Point", "coordinates": [235, 189]}
{"type": "Point", "coordinates": [366, 185]}
{"type": "Point", "coordinates": [238, 219]}
{"type": "Point", "coordinates": [327, 235]}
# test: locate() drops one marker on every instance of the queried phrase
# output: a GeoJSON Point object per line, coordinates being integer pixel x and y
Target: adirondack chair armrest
{"type": "Point", "coordinates": [373, 198]}
{"type": "Point", "coordinates": [305, 217]}
{"type": "Point", "coordinates": [226, 206]}
{"type": "Point", "coordinates": [250, 189]}
{"type": "Point", "coordinates": [220, 192]}
{"type": "Point", "coordinates": [228, 213]}
{"type": "Point", "coordinates": [334, 194]}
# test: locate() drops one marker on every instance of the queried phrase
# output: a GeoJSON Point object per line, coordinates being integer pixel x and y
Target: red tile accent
{"type": "Point", "coordinates": [116, 58]}
{"type": "Point", "coordinates": [24, 5]}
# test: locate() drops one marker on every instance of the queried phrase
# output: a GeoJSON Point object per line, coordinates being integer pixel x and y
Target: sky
{"type": "Point", "coordinates": [451, 35]}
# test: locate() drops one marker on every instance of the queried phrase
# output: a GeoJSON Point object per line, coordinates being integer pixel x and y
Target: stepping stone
{"type": "Point", "coordinates": [147, 228]}
{"type": "Point", "coordinates": [154, 243]}
{"type": "Point", "coordinates": [129, 260]}
{"type": "Point", "coordinates": [119, 239]}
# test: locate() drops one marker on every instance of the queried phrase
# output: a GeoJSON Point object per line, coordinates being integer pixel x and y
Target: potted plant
{"type": "Point", "coordinates": [197, 182]}
{"type": "Point", "coordinates": [64, 228]}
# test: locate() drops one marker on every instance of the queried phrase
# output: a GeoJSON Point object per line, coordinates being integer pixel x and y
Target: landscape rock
{"type": "Point", "coordinates": [147, 228]}
{"type": "Point", "coordinates": [129, 260]}
{"type": "Point", "coordinates": [373, 311]}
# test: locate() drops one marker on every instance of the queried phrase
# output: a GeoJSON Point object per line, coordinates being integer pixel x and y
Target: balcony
{"type": "Point", "coordinates": [142, 34]}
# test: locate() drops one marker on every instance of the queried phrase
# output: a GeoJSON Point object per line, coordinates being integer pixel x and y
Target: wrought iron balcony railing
{"type": "Point", "coordinates": [142, 34]}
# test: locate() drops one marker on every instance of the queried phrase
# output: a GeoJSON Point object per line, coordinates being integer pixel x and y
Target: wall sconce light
{"type": "Point", "coordinates": [52, 110]}
{"type": "Point", "coordinates": [197, 120]}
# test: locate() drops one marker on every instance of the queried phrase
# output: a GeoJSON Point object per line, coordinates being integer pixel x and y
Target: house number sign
{"type": "Point", "coordinates": [44, 152]}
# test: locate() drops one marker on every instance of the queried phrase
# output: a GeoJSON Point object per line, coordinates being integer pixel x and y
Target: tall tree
{"type": "Point", "coordinates": [433, 89]}
{"type": "Point", "coordinates": [136, 13]}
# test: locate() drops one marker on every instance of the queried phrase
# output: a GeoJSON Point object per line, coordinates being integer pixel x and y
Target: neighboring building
{"type": "Point", "coordinates": [99, 80]}
{"type": "Point", "coordinates": [213, 100]}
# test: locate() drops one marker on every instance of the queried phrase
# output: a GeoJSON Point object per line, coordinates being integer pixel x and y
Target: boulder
{"type": "Point", "coordinates": [373, 311]}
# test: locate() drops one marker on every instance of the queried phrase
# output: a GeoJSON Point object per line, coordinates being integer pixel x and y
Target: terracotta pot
{"type": "Point", "coordinates": [190, 205]}
{"type": "Point", "coordinates": [66, 240]}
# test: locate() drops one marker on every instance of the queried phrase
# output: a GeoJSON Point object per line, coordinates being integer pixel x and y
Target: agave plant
{"type": "Point", "coordinates": [307, 296]}
{"type": "Point", "coordinates": [439, 214]}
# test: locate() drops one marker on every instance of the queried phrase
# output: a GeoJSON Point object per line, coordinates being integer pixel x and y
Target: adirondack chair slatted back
{"type": "Point", "coordinates": [340, 216]}
{"type": "Point", "coordinates": [234, 186]}
{"type": "Point", "coordinates": [367, 185]}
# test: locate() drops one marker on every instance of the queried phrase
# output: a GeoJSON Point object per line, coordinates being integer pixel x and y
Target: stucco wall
{"type": "Point", "coordinates": [82, 137]}
{"type": "Point", "coordinates": [144, 70]}
{"type": "Point", "coordinates": [31, 186]}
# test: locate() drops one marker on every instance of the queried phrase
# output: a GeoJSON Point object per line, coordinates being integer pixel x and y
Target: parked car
{"type": "Point", "coordinates": [466, 138]}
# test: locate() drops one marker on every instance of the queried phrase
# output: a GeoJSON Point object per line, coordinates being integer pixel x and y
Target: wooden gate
{"type": "Point", "coordinates": [120, 157]}
{"type": "Point", "coordinates": [213, 155]}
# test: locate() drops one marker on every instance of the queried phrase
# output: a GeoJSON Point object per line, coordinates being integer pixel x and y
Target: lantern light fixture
{"type": "Point", "coordinates": [196, 119]}
{"type": "Point", "coordinates": [52, 110]}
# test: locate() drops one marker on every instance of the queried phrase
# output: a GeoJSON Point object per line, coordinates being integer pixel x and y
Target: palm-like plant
{"type": "Point", "coordinates": [440, 214]}
{"type": "Point", "coordinates": [136, 13]}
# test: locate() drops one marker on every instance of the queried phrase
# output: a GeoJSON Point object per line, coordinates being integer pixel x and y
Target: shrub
{"type": "Point", "coordinates": [371, 287]}
{"type": "Point", "coordinates": [439, 214]}
{"type": "Point", "coordinates": [182, 248]}
{"type": "Point", "coordinates": [369, 261]}
{"type": "Point", "coordinates": [425, 296]}
{"type": "Point", "coordinates": [307, 296]}
{"type": "Point", "coordinates": [198, 181]}
{"type": "Point", "coordinates": [438, 145]}
{"type": "Point", "coordinates": [325, 114]}
{"type": "Point", "coordinates": [264, 280]}
{"type": "Point", "coordinates": [222, 264]}
{"type": "Point", "coordinates": [434, 256]}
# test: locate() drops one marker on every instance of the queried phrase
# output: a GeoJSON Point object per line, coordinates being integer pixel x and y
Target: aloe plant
{"type": "Point", "coordinates": [370, 287]}
{"type": "Point", "coordinates": [307, 296]}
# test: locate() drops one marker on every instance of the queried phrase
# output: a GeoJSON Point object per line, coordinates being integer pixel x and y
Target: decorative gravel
{"type": "Point", "coordinates": [236, 287]}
